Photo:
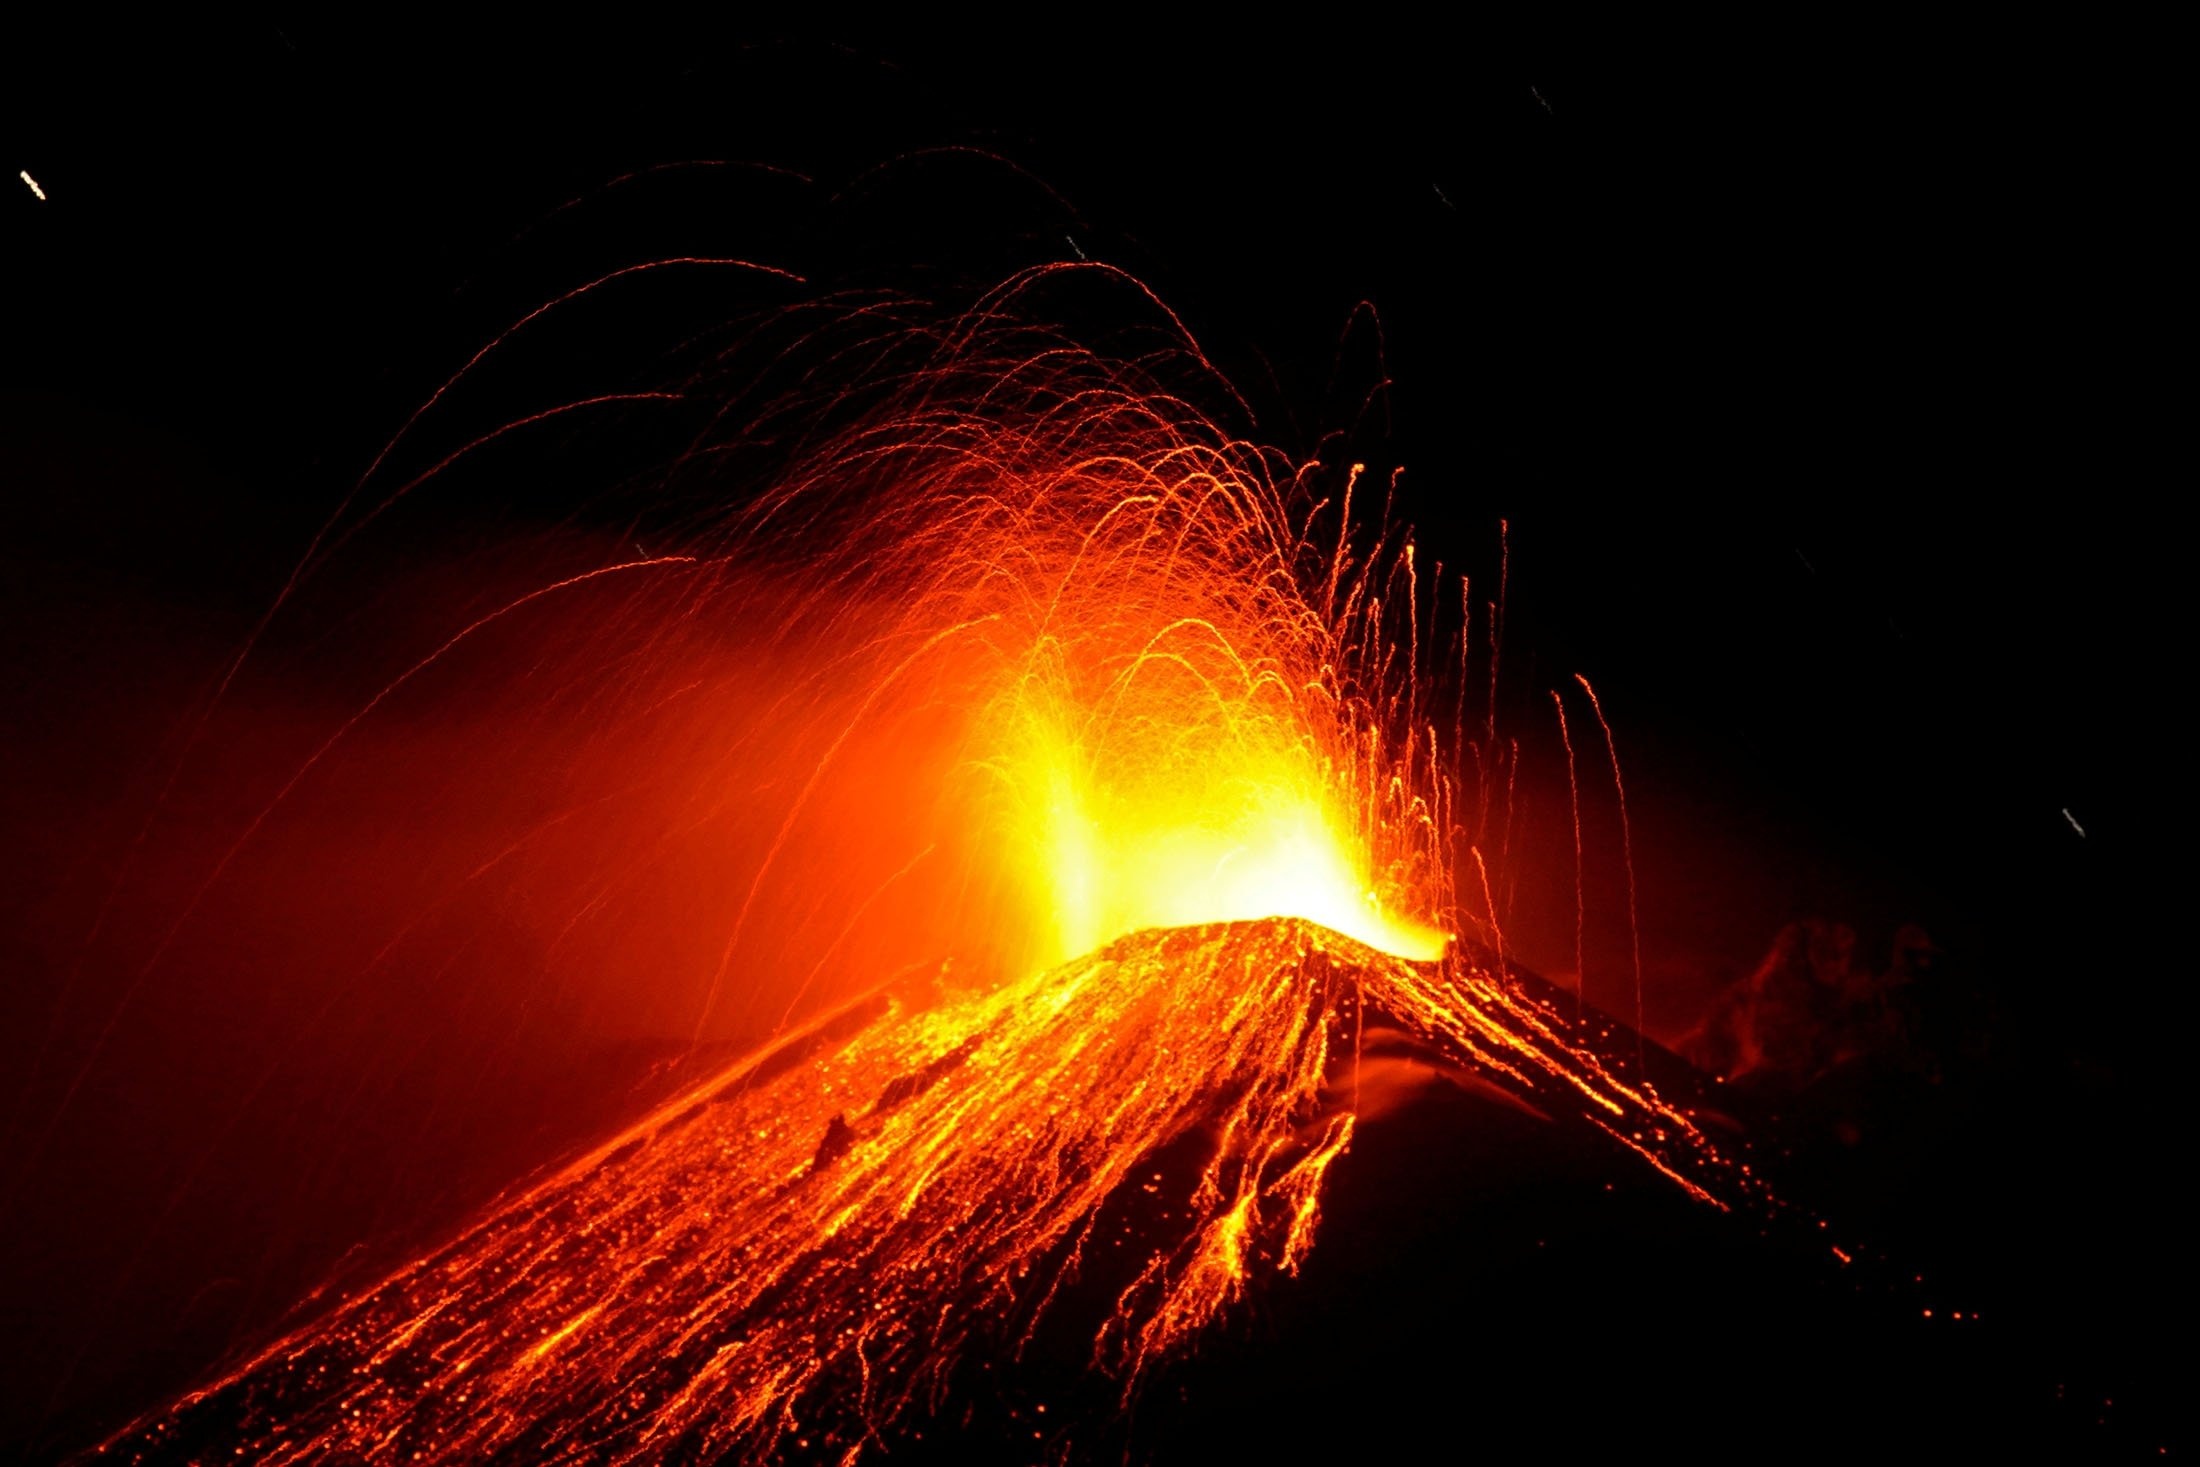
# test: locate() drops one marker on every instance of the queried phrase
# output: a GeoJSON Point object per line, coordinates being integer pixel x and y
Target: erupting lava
{"type": "Point", "coordinates": [1158, 699]}
{"type": "Point", "coordinates": [1102, 691]}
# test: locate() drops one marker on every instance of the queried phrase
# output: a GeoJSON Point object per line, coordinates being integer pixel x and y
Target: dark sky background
{"type": "Point", "coordinates": [1821, 379]}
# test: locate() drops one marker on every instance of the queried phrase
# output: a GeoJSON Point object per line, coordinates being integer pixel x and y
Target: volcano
{"type": "Point", "coordinates": [963, 1223]}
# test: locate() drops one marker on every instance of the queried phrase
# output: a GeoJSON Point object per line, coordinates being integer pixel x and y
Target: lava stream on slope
{"type": "Point", "coordinates": [799, 1254]}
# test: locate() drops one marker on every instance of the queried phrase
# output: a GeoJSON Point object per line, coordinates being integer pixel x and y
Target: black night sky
{"type": "Point", "coordinates": [1822, 380]}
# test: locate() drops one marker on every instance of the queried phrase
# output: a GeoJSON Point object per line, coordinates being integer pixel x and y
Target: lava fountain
{"type": "Point", "coordinates": [1152, 697]}
{"type": "Point", "coordinates": [1104, 803]}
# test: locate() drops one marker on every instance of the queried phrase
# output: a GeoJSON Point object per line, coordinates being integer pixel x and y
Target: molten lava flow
{"type": "Point", "coordinates": [810, 1245]}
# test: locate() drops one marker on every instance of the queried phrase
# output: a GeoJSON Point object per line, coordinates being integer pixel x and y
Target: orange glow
{"type": "Point", "coordinates": [1198, 804]}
